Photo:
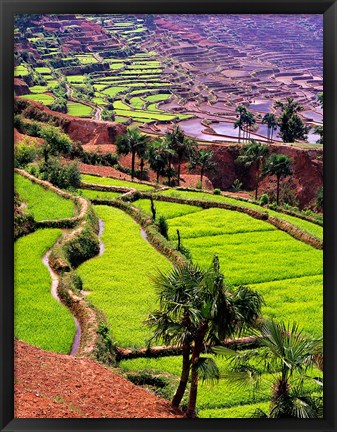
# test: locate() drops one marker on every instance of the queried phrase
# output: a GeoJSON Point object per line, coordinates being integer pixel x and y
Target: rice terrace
{"type": "Point", "coordinates": [168, 212]}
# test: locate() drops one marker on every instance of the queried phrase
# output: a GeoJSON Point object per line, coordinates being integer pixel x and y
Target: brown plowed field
{"type": "Point", "coordinates": [49, 385]}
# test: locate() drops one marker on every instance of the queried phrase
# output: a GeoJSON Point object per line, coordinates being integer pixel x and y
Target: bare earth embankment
{"type": "Point", "coordinates": [49, 385]}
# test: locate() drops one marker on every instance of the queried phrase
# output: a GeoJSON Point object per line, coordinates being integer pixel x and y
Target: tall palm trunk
{"type": "Point", "coordinates": [133, 164]}
{"type": "Point", "coordinates": [257, 178]}
{"type": "Point", "coordinates": [179, 394]}
{"type": "Point", "coordinates": [141, 167]}
{"type": "Point", "coordinates": [201, 175]}
{"type": "Point", "coordinates": [198, 345]}
{"type": "Point", "coordinates": [278, 190]}
{"type": "Point", "coordinates": [179, 163]}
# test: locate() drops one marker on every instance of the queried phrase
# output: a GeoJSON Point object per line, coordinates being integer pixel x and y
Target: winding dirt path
{"type": "Point", "coordinates": [98, 113]}
{"type": "Point", "coordinates": [53, 290]}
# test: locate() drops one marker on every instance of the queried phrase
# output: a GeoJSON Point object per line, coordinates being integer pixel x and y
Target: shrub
{"type": "Point", "coordinates": [217, 192]}
{"type": "Point", "coordinates": [24, 153]}
{"type": "Point", "coordinates": [264, 200]}
{"type": "Point", "coordinates": [237, 185]}
{"type": "Point", "coordinates": [319, 199]}
{"type": "Point", "coordinates": [163, 226]}
{"type": "Point", "coordinates": [105, 348]}
{"type": "Point", "coordinates": [82, 247]}
{"type": "Point", "coordinates": [59, 105]}
{"type": "Point", "coordinates": [62, 176]}
{"type": "Point", "coordinates": [23, 223]}
{"type": "Point", "coordinates": [57, 142]}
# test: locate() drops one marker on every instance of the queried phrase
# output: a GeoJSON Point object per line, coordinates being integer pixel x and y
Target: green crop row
{"type": "Point", "coordinates": [39, 319]}
{"type": "Point", "coordinates": [217, 397]}
{"type": "Point", "coordinates": [309, 227]}
{"type": "Point", "coordinates": [79, 110]}
{"type": "Point", "coordinates": [21, 71]}
{"type": "Point", "coordinates": [40, 97]}
{"type": "Point", "coordinates": [114, 182]}
{"type": "Point", "coordinates": [118, 280]}
{"type": "Point", "coordinates": [42, 203]}
{"type": "Point", "coordinates": [168, 210]}
{"type": "Point", "coordinates": [91, 194]}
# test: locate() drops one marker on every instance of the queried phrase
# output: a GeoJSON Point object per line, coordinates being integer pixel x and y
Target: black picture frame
{"type": "Point", "coordinates": [8, 8]}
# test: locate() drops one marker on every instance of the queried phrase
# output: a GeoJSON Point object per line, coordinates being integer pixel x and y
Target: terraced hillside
{"type": "Point", "coordinates": [152, 71]}
{"type": "Point", "coordinates": [138, 249]}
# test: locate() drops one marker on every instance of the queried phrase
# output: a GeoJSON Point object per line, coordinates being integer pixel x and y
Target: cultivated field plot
{"type": "Point", "coordinates": [118, 280]}
{"type": "Point", "coordinates": [78, 109]}
{"type": "Point", "coordinates": [39, 319]}
{"type": "Point", "coordinates": [255, 253]}
{"type": "Point", "coordinates": [223, 399]}
{"type": "Point", "coordinates": [107, 181]}
{"type": "Point", "coordinates": [41, 203]}
{"type": "Point", "coordinates": [309, 227]}
{"type": "Point", "coordinates": [91, 194]}
{"type": "Point", "coordinates": [43, 98]}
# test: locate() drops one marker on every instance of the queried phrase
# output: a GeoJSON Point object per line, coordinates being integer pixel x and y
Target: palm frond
{"type": "Point", "coordinates": [208, 370]}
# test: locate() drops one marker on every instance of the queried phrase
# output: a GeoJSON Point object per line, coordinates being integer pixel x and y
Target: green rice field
{"type": "Point", "coordinates": [45, 99]}
{"type": "Point", "coordinates": [221, 399]}
{"type": "Point", "coordinates": [78, 109]}
{"type": "Point", "coordinates": [39, 319]}
{"type": "Point", "coordinates": [87, 178]}
{"type": "Point", "coordinates": [119, 289]}
{"type": "Point", "coordinates": [42, 203]}
{"type": "Point", "coordinates": [91, 194]}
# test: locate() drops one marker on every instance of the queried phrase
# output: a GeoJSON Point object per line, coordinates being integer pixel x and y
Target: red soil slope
{"type": "Point", "coordinates": [49, 385]}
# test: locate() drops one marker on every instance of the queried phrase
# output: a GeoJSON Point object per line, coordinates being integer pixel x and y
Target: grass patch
{"type": "Point", "coordinates": [203, 196]}
{"type": "Point", "coordinates": [216, 221]}
{"type": "Point", "coordinates": [75, 79]}
{"type": "Point", "coordinates": [21, 71]}
{"type": "Point", "coordinates": [114, 182]}
{"type": "Point", "coordinates": [79, 110]}
{"type": "Point", "coordinates": [39, 319]}
{"type": "Point", "coordinates": [213, 398]}
{"type": "Point", "coordinates": [119, 288]}
{"type": "Point", "coordinates": [169, 210]}
{"type": "Point", "coordinates": [43, 70]}
{"type": "Point", "coordinates": [45, 99]}
{"type": "Point", "coordinates": [299, 299]}
{"type": "Point", "coordinates": [86, 59]}
{"type": "Point", "coordinates": [113, 91]}
{"type": "Point", "coordinates": [91, 194]}
{"type": "Point", "coordinates": [309, 227]}
{"type": "Point", "coordinates": [38, 89]}
{"type": "Point", "coordinates": [42, 203]}
{"type": "Point", "coordinates": [158, 97]}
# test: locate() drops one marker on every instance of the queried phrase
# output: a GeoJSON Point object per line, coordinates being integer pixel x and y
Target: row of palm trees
{"type": "Point", "coordinates": [161, 154]}
{"type": "Point", "coordinates": [198, 310]}
{"type": "Point", "coordinates": [256, 153]}
{"type": "Point", "coordinates": [291, 126]}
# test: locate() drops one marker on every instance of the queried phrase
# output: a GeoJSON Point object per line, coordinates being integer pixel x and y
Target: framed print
{"type": "Point", "coordinates": [173, 261]}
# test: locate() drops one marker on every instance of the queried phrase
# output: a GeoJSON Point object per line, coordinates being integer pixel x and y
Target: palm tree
{"type": "Point", "coordinates": [158, 157]}
{"type": "Point", "coordinates": [270, 120]}
{"type": "Point", "coordinates": [254, 153]}
{"type": "Point", "coordinates": [203, 159]}
{"type": "Point", "coordinates": [242, 112]}
{"type": "Point", "coordinates": [134, 142]}
{"type": "Point", "coordinates": [287, 354]}
{"type": "Point", "coordinates": [197, 307]}
{"type": "Point", "coordinates": [291, 126]}
{"type": "Point", "coordinates": [174, 323]}
{"type": "Point", "coordinates": [280, 166]}
{"type": "Point", "coordinates": [181, 145]}
{"type": "Point", "coordinates": [249, 121]}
